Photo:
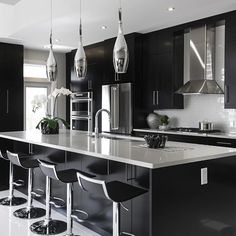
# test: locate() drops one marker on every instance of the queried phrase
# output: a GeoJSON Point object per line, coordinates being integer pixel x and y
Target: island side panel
{"type": "Point", "coordinates": [180, 205]}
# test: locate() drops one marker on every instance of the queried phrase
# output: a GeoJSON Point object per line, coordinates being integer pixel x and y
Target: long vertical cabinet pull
{"type": "Point", "coordinates": [153, 98]}
{"type": "Point", "coordinates": [226, 93]}
{"type": "Point", "coordinates": [7, 100]}
{"type": "Point", "coordinates": [157, 98]}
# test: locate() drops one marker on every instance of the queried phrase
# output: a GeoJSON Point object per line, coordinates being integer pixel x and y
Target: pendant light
{"type": "Point", "coordinates": [120, 51]}
{"type": "Point", "coordinates": [51, 67]}
{"type": "Point", "coordinates": [80, 61]}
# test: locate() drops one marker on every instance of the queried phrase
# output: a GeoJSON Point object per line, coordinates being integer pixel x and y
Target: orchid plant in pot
{"type": "Point", "coordinates": [50, 123]}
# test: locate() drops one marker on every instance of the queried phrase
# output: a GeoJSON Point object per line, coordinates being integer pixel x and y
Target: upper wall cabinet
{"type": "Point", "coordinates": [162, 70]}
{"type": "Point", "coordinates": [230, 61]}
{"type": "Point", "coordinates": [134, 42]}
{"type": "Point", "coordinates": [95, 54]}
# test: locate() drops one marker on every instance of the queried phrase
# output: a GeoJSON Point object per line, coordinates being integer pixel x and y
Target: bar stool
{"type": "Point", "coordinates": [26, 162]}
{"type": "Point", "coordinates": [11, 200]}
{"type": "Point", "coordinates": [115, 191]}
{"type": "Point", "coordinates": [68, 177]}
{"type": "Point", "coordinates": [49, 226]}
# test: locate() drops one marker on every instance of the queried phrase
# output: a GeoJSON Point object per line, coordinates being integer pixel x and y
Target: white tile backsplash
{"type": "Point", "coordinates": [203, 107]}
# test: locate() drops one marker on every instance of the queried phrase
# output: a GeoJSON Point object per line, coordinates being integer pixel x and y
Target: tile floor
{"type": "Point", "coordinates": [12, 226]}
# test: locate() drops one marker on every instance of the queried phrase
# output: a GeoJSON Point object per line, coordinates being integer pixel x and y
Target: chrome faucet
{"type": "Point", "coordinates": [96, 120]}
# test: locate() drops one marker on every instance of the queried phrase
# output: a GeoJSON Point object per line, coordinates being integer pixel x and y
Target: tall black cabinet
{"type": "Point", "coordinates": [11, 97]}
{"type": "Point", "coordinates": [11, 87]}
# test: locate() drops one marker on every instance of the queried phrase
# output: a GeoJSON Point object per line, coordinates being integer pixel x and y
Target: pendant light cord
{"type": "Point", "coordinates": [80, 19]}
{"type": "Point", "coordinates": [120, 12]}
{"type": "Point", "coordinates": [51, 26]}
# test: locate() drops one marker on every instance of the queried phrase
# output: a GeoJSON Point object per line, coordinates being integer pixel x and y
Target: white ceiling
{"type": "Point", "coordinates": [28, 21]}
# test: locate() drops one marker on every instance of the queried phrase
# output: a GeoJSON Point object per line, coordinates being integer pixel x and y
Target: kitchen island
{"type": "Point", "coordinates": [191, 189]}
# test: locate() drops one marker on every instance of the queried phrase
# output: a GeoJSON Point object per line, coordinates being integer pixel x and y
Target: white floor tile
{"type": "Point", "coordinates": [12, 226]}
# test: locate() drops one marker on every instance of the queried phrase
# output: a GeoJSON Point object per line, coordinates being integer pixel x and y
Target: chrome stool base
{"type": "Point", "coordinates": [14, 201]}
{"type": "Point", "coordinates": [50, 227]}
{"type": "Point", "coordinates": [32, 213]}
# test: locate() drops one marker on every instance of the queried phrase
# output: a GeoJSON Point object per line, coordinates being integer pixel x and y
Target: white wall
{"type": "Point", "coordinates": [35, 56]}
{"type": "Point", "coordinates": [203, 107]}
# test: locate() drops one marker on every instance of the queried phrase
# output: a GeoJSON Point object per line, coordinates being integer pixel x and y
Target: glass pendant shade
{"type": "Point", "coordinates": [51, 67]}
{"type": "Point", "coordinates": [80, 61]}
{"type": "Point", "coordinates": [120, 51]}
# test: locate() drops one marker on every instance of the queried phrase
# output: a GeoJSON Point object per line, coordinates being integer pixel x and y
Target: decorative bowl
{"type": "Point", "coordinates": [156, 141]}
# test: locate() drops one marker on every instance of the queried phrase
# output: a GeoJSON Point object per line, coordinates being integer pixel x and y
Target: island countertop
{"type": "Point", "coordinates": [126, 150]}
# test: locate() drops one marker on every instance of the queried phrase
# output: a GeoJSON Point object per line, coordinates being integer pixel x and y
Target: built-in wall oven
{"type": "Point", "coordinates": [81, 111]}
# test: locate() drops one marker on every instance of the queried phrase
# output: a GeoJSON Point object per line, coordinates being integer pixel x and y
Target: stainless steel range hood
{"type": "Point", "coordinates": [200, 48]}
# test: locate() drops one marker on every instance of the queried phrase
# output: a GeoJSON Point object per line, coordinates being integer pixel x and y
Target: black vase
{"type": "Point", "coordinates": [45, 129]}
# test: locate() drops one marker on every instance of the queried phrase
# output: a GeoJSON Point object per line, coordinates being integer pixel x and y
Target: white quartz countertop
{"type": "Point", "coordinates": [213, 135]}
{"type": "Point", "coordinates": [128, 150]}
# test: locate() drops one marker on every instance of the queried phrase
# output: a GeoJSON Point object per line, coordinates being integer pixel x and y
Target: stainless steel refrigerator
{"type": "Point", "coordinates": [117, 98]}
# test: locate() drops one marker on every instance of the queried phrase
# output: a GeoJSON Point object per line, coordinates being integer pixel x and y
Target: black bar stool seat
{"type": "Point", "coordinates": [26, 161]}
{"type": "Point", "coordinates": [121, 192]}
{"type": "Point", "coordinates": [115, 191]}
{"type": "Point", "coordinates": [70, 175]}
{"type": "Point", "coordinates": [11, 200]}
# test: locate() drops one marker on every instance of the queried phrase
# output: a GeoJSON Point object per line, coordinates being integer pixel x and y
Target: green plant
{"type": "Point", "coordinates": [164, 120]}
{"type": "Point", "coordinates": [51, 122]}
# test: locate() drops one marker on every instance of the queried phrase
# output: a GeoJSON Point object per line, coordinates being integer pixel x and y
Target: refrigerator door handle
{"type": "Point", "coordinates": [115, 113]}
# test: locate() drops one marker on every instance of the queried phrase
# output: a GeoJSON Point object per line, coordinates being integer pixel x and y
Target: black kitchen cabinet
{"type": "Point", "coordinates": [11, 91]}
{"type": "Point", "coordinates": [162, 70]}
{"type": "Point", "coordinates": [11, 98]}
{"type": "Point", "coordinates": [134, 43]}
{"type": "Point", "coordinates": [230, 60]}
{"type": "Point", "coordinates": [94, 54]}
{"type": "Point", "coordinates": [230, 74]}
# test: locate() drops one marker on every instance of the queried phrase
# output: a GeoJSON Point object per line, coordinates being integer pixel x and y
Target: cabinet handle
{"type": "Point", "coordinates": [226, 93]}
{"type": "Point", "coordinates": [157, 98]}
{"type": "Point", "coordinates": [224, 143]}
{"type": "Point", "coordinates": [153, 98]}
{"type": "Point", "coordinates": [90, 87]}
{"type": "Point", "coordinates": [204, 176]}
{"type": "Point", "coordinates": [7, 108]}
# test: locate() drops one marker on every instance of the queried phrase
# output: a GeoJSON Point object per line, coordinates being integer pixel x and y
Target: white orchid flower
{"type": "Point", "coordinates": [58, 92]}
{"type": "Point", "coordinates": [61, 91]}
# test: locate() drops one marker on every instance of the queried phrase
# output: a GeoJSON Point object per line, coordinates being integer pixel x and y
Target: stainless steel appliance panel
{"type": "Point", "coordinates": [117, 98]}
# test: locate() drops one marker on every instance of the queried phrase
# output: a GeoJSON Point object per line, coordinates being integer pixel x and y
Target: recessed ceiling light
{"type": "Point", "coordinates": [171, 8]}
{"type": "Point", "coordinates": [104, 27]}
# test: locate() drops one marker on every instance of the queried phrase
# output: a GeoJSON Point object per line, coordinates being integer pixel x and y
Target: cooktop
{"type": "Point", "coordinates": [193, 130]}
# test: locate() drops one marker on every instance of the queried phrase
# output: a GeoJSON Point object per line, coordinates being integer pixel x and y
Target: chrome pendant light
{"type": "Point", "coordinates": [120, 51]}
{"type": "Point", "coordinates": [80, 61]}
{"type": "Point", "coordinates": [51, 67]}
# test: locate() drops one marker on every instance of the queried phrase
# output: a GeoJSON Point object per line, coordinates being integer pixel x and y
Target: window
{"type": "Point", "coordinates": [36, 95]}
{"type": "Point", "coordinates": [35, 71]}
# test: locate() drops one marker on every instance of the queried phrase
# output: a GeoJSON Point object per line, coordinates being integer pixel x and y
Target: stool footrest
{"type": "Point", "coordinates": [79, 215]}
{"type": "Point", "coordinates": [19, 183]}
{"type": "Point", "coordinates": [57, 202]}
{"type": "Point", "coordinates": [125, 233]}
{"type": "Point", "coordinates": [37, 193]}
